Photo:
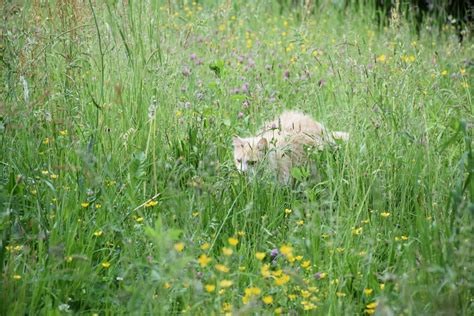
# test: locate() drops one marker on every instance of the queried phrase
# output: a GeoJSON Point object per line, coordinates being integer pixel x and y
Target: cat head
{"type": "Point", "coordinates": [248, 152]}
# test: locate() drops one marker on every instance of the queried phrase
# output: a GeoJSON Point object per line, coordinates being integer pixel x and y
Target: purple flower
{"type": "Point", "coordinates": [286, 74]}
{"type": "Point", "coordinates": [250, 62]}
{"type": "Point", "coordinates": [235, 90]}
{"type": "Point", "coordinates": [245, 87]}
{"type": "Point", "coordinates": [193, 56]}
{"type": "Point", "coordinates": [274, 253]}
{"type": "Point", "coordinates": [246, 104]}
{"type": "Point", "coordinates": [240, 59]}
{"type": "Point", "coordinates": [317, 275]}
{"type": "Point", "coordinates": [199, 61]}
{"type": "Point", "coordinates": [240, 115]}
{"type": "Point", "coordinates": [274, 126]}
{"type": "Point", "coordinates": [322, 83]}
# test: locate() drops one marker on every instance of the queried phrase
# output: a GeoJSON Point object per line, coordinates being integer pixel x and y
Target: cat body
{"type": "Point", "coordinates": [281, 143]}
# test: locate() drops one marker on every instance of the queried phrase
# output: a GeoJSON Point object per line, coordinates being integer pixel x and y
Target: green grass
{"type": "Point", "coordinates": [105, 109]}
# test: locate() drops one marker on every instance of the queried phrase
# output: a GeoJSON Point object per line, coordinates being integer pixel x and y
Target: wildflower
{"type": "Point", "coordinates": [167, 285]}
{"type": "Point", "coordinates": [195, 214]}
{"type": "Point", "coordinates": [98, 205]}
{"type": "Point", "coordinates": [382, 286]}
{"type": "Point", "coordinates": [140, 219]}
{"type": "Point", "coordinates": [210, 288]}
{"type": "Point", "coordinates": [288, 211]}
{"type": "Point", "coordinates": [85, 204]}
{"type": "Point", "coordinates": [357, 231]}
{"type": "Point", "coordinates": [46, 141]}
{"type": "Point", "coordinates": [204, 260]}
{"type": "Point", "coordinates": [292, 296]}
{"type": "Point", "coordinates": [300, 222]}
{"type": "Point", "coordinates": [299, 258]}
{"type": "Point", "coordinates": [205, 246]}
{"type": "Point", "coordinates": [45, 172]}
{"type": "Point", "coordinates": [260, 255]}
{"type": "Point", "coordinates": [306, 264]}
{"type": "Point", "coordinates": [444, 73]}
{"type": "Point", "coordinates": [277, 273]}
{"type": "Point", "coordinates": [241, 233]}
{"type": "Point", "coordinates": [150, 203]}
{"type": "Point", "coordinates": [63, 132]}
{"type": "Point", "coordinates": [385, 214]}
{"type": "Point", "coordinates": [105, 264]}
{"type": "Point", "coordinates": [274, 253]}
{"type": "Point", "coordinates": [282, 280]}
{"type": "Point", "coordinates": [381, 58]}
{"type": "Point", "coordinates": [308, 305]}
{"type": "Point", "coordinates": [267, 299]}
{"type": "Point", "coordinates": [222, 268]}
{"type": "Point", "coordinates": [405, 238]}
{"type": "Point", "coordinates": [226, 283]}
{"type": "Point", "coordinates": [369, 311]}
{"type": "Point", "coordinates": [179, 246]}
{"type": "Point", "coordinates": [16, 277]}
{"type": "Point", "coordinates": [340, 294]}
{"type": "Point", "coordinates": [362, 253]}
{"type": "Point", "coordinates": [367, 292]}
{"type": "Point", "coordinates": [226, 307]}
{"type": "Point", "coordinates": [265, 271]}
{"type": "Point", "coordinates": [278, 311]}
{"type": "Point", "coordinates": [233, 241]}
{"type": "Point", "coordinates": [340, 249]}
{"type": "Point", "coordinates": [68, 259]}
{"type": "Point", "coordinates": [179, 114]}
{"type": "Point", "coordinates": [98, 233]}
{"type": "Point", "coordinates": [286, 250]}
{"type": "Point", "coordinates": [240, 115]}
{"type": "Point", "coordinates": [372, 305]}
{"type": "Point", "coordinates": [227, 251]}
{"type": "Point", "coordinates": [320, 275]}
{"type": "Point", "coordinates": [465, 85]}
{"type": "Point", "coordinates": [305, 294]}
{"type": "Point", "coordinates": [462, 71]}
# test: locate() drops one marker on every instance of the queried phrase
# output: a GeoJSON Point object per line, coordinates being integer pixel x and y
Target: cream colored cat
{"type": "Point", "coordinates": [282, 143]}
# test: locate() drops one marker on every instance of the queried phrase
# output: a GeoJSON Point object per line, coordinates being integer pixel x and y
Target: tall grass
{"type": "Point", "coordinates": [117, 180]}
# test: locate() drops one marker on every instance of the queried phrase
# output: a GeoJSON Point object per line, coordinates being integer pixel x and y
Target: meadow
{"type": "Point", "coordinates": [118, 189]}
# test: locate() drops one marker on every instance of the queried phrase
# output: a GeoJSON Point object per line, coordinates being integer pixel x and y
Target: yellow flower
{"type": "Point", "coordinates": [226, 307]}
{"type": "Point", "coordinates": [365, 221]}
{"type": "Point", "coordinates": [372, 305]}
{"type": "Point", "coordinates": [233, 241]}
{"type": "Point", "coordinates": [46, 141]}
{"type": "Point", "coordinates": [292, 296]}
{"type": "Point", "coordinates": [226, 283]}
{"type": "Point", "coordinates": [282, 280]}
{"type": "Point", "coordinates": [63, 132]}
{"type": "Point", "coordinates": [204, 260]}
{"type": "Point", "coordinates": [260, 255]}
{"type": "Point", "coordinates": [382, 286]}
{"type": "Point", "coordinates": [340, 294]}
{"type": "Point", "coordinates": [370, 311]}
{"type": "Point", "coordinates": [265, 271]}
{"type": "Point", "coordinates": [242, 268]}
{"type": "Point", "coordinates": [357, 231]}
{"type": "Point", "coordinates": [288, 211]}
{"type": "Point", "coordinates": [385, 214]}
{"type": "Point", "coordinates": [205, 246]}
{"type": "Point", "coordinates": [17, 277]}
{"type": "Point", "coordinates": [227, 251]}
{"type": "Point", "coordinates": [277, 273]}
{"type": "Point", "coordinates": [68, 258]}
{"type": "Point", "coordinates": [411, 58]}
{"type": "Point", "coordinates": [267, 299]}
{"type": "Point", "coordinates": [299, 258]}
{"type": "Point", "coordinates": [306, 264]}
{"type": "Point", "coordinates": [178, 246]}
{"type": "Point", "coordinates": [404, 237]}
{"type": "Point", "coordinates": [140, 219]}
{"type": "Point", "coordinates": [98, 233]}
{"type": "Point", "coordinates": [167, 285]}
{"type": "Point", "coordinates": [222, 268]}
{"type": "Point", "coordinates": [278, 311]}
{"type": "Point", "coordinates": [85, 204]}
{"type": "Point", "coordinates": [151, 203]}
{"type": "Point", "coordinates": [179, 114]}
{"type": "Point", "coordinates": [323, 275]}
{"type": "Point", "coordinates": [462, 71]}
{"type": "Point", "coordinates": [444, 73]}
{"type": "Point", "coordinates": [54, 176]}
{"type": "Point", "coordinates": [241, 233]}
{"type": "Point", "coordinates": [305, 294]}
{"type": "Point", "coordinates": [340, 249]}
{"type": "Point", "coordinates": [210, 288]}
{"type": "Point", "coordinates": [105, 264]}
{"type": "Point", "coordinates": [286, 250]}
{"type": "Point", "coordinates": [45, 172]}
{"type": "Point", "coordinates": [367, 292]}
{"type": "Point", "coordinates": [465, 85]}
{"type": "Point", "coordinates": [98, 205]}
{"type": "Point", "coordinates": [195, 214]}
{"type": "Point", "coordinates": [381, 58]}
{"type": "Point", "coordinates": [300, 222]}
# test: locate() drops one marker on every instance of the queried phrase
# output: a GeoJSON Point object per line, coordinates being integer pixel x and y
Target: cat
{"type": "Point", "coordinates": [281, 143]}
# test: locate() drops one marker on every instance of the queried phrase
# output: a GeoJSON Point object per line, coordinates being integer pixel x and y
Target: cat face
{"type": "Point", "coordinates": [248, 152]}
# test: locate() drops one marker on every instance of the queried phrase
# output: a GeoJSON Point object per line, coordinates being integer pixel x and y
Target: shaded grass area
{"type": "Point", "coordinates": [118, 189]}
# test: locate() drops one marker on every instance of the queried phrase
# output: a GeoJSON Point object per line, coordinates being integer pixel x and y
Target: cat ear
{"type": "Point", "coordinates": [237, 141]}
{"type": "Point", "coordinates": [262, 144]}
